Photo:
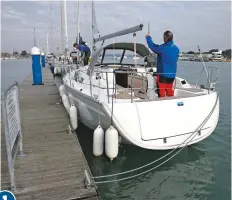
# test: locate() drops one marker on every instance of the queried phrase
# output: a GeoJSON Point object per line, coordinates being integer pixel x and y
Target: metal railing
{"type": "Point", "coordinates": [133, 74]}
{"type": "Point", "coordinates": [131, 89]}
{"type": "Point", "coordinates": [209, 75]}
{"type": "Point", "coordinates": [12, 128]}
{"type": "Point", "coordinates": [210, 83]}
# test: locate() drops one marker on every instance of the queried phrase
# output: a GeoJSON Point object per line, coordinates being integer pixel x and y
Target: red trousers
{"type": "Point", "coordinates": [164, 89]}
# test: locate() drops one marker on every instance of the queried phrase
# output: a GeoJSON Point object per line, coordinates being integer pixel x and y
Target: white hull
{"type": "Point", "coordinates": [156, 124]}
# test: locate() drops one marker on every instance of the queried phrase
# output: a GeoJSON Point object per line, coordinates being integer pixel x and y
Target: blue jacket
{"type": "Point", "coordinates": [167, 57]}
{"type": "Point", "coordinates": [83, 48]}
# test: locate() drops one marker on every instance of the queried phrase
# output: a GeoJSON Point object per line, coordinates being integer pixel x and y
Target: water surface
{"type": "Point", "coordinates": [14, 70]}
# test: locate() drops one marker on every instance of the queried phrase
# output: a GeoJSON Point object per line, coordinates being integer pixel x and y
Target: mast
{"type": "Point", "coordinates": [65, 26]}
{"type": "Point", "coordinates": [92, 26]}
{"type": "Point", "coordinates": [34, 38]}
{"type": "Point", "coordinates": [62, 25]}
{"type": "Point", "coordinates": [39, 44]}
{"type": "Point", "coordinates": [78, 22]}
{"type": "Point", "coordinates": [51, 27]}
{"type": "Point", "coordinates": [47, 43]}
{"type": "Point", "coordinates": [78, 28]}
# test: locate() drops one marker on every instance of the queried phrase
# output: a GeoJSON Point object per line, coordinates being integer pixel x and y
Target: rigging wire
{"type": "Point", "coordinates": [99, 93]}
{"type": "Point", "coordinates": [112, 112]}
{"type": "Point", "coordinates": [112, 96]}
{"type": "Point", "coordinates": [51, 27]}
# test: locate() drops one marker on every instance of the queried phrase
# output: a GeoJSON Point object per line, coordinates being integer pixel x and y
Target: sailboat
{"type": "Point", "coordinates": [62, 64]}
{"type": "Point", "coordinates": [122, 99]}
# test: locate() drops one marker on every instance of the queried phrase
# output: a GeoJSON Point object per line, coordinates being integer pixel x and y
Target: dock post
{"type": "Point", "coordinates": [42, 59]}
{"type": "Point", "coordinates": [36, 67]}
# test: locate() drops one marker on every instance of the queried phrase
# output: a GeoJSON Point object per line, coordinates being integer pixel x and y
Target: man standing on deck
{"type": "Point", "coordinates": [86, 50]}
{"type": "Point", "coordinates": [167, 57]}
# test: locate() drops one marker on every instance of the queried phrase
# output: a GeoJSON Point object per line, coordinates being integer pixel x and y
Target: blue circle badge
{"type": "Point", "coordinates": [7, 195]}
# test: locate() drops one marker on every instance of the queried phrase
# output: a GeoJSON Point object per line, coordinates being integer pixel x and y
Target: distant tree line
{"type": "Point", "coordinates": [16, 54]}
{"type": "Point", "coordinates": [23, 53]}
{"type": "Point", "coordinates": [4, 54]}
{"type": "Point", "coordinates": [226, 53]}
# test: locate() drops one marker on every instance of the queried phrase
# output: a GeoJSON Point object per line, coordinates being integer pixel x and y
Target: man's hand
{"type": "Point", "coordinates": [148, 34]}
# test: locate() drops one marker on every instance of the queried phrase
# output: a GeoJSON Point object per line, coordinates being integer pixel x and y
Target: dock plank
{"type": "Point", "coordinates": [53, 165]}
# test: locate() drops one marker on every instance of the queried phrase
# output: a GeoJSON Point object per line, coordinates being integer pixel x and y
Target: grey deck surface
{"type": "Point", "coordinates": [53, 165]}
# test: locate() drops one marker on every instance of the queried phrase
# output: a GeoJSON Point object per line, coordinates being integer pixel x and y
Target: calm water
{"type": "Point", "coordinates": [14, 70]}
{"type": "Point", "coordinates": [201, 171]}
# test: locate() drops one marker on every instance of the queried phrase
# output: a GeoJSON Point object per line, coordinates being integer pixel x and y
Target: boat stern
{"type": "Point", "coordinates": [166, 124]}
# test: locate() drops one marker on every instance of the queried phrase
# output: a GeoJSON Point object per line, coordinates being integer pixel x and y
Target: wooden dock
{"type": "Point", "coordinates": [53, 165]}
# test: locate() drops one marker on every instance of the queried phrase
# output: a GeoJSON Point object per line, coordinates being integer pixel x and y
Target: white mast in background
{"type": "Point", "coordinates": [65, 26]}
{"type": "Point", "coordinates": [92, 26]}
{"type": "Point", "coordinates": [62, 25]}
{"type": "Point", "coordinates": [78, 21]}
{"type": "Point", "coordinates": [51, 28]}
{"type": "Point", "coordinates": [47, 44]}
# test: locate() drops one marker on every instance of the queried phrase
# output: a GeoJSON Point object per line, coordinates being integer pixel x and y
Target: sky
{"type": "Point", "coordinates": [203, 23]}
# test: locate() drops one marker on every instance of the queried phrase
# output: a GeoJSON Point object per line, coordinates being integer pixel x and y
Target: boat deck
{"type": "Point", "coordinates": [53, 165]}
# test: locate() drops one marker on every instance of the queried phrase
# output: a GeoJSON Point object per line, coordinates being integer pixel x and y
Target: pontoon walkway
{"type": "Point", "coordinates": [53, 165]}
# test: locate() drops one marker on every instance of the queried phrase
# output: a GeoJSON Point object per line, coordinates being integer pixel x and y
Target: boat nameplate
{"type": "Point", "coordinates": [180, 103]}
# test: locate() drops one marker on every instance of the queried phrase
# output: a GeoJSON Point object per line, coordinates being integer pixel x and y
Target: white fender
{"type": "Point", "coordinates": [84, 111]}
{"type": "Point", "coordinates": [73, 116]}
{"type": "Point", "coordinates": [62, 90]}
{"type": "Point", "coordinates": [111, 142]}
{"type": "Point", "coordinates": [98, 141]}
{"type": "Point", "coordinates": [66, 103]}
{"type": "Point", "coordinates": [70, 97]}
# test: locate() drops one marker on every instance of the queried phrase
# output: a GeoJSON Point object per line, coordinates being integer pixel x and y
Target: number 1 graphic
{"type": "Point", "coordinates": [4, 197]}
